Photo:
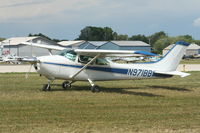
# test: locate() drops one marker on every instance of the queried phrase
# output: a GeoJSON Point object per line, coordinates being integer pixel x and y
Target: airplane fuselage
{"type": "Point", "coordinates": [59, 67]}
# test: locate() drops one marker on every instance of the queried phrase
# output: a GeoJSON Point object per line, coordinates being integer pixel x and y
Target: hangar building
{"type": "Point", "coordinates": [14, 46]}
{"type": "Point", "coordinates": [192, 50]}
{"type": "Point", "coordinates": [91, 44]}
{"type": "Point", "coordinates": [126, 45]}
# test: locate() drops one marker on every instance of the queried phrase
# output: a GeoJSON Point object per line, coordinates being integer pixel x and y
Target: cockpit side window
{"type": "Point", "coordinates": [84, 59]}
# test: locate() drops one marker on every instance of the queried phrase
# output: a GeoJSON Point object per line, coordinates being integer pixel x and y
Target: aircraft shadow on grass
{"type": "Point", "coordinates": [124, 90]}
{"type": "Point", "coordinates": [111, 90]}
{"type": "Point", "coordinates": [169, 88]}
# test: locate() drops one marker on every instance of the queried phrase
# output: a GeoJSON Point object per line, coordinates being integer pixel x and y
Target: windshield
{"type": "Point", "coordinates": [69, 54]}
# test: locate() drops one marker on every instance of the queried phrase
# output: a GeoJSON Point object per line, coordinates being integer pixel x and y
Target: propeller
{"type": "Point", "coordinates": [32, 61]}
{"type": "Point", "coordinates": [27, 73]}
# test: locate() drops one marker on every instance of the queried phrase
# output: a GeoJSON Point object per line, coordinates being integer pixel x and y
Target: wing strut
{"type": "Point", "coordinates": [50, 52]}
{"type": "Point", "coordinates": [73, 76]}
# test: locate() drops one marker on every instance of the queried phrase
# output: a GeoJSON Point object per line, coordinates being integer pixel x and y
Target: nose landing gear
{"type": "Point", "coordinates": [47, 87]}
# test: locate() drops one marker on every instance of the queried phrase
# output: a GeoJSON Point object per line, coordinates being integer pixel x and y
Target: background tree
{"type": "Point", "coordinates": [197, 42]}
{"type": "Point", "coordinates": [108, 34]}
{"type": "Point", "coordinates": [1, 39]}
{"type": "Point", "coordinates": [90, 33]}
{"type": "Point", "coordinates": [121, 37]}
{"type": "Point", "coordinates": [115, 35]}
{"type": "Point", "coordinates": [186, 38]}
{"type": "Point", "coordinates": [139, 38]}
{"type": "Point", "coordinates": [156, 36]}
{"type": "Point", "coordinates": [165, 41]}
{"type": "Point", "coordinates": [160, 44]}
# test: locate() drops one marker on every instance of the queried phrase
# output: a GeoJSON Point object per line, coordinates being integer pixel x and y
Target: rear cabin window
{"type": "Point", "coordinates": [101, 61]}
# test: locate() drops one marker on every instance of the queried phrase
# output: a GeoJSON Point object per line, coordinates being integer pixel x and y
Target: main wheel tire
{"type": "Point", "coordinates": [66, 85]}
{"type": "Point", "coordinates": [46, 87]}
{"type": "Point", "coordinates": [95, 88]}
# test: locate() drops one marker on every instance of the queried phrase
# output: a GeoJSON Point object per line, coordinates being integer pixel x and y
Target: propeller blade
{"type": "Point", "coordinates": [27, 74]}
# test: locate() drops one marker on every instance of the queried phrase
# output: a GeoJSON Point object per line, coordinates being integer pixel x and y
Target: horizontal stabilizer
{"type": "Point", "coordinates": [182, 74]}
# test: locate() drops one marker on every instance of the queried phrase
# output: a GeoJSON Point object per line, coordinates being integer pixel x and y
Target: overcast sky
{"type": "Point", "coordinates": [63, 19]}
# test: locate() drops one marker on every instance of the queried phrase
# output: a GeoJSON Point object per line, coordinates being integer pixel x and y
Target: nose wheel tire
{"type": "Point", "coordinates": [46, 87]}
{"type": "Point", "coordinates": [66, 85]}
{"type": "Point", "coordinates": [95, 88]}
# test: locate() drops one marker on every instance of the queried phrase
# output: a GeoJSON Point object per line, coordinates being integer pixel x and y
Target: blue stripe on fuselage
{"type": "Point", "coordinates": [104, 69]}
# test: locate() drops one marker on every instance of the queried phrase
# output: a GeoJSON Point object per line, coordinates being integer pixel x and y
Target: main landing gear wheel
{"type": "Point", "coordinates": [46, 87]}
{"type": "Point", "coordinates": [95, 88]}
{"type": "Point", "coordinates": [66, 85]}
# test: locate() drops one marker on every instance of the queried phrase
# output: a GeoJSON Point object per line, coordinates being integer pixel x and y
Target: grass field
{"type": "Point", "coordinates": [190, 61]}
{"type": "Point", "coordinates": [157, 105]}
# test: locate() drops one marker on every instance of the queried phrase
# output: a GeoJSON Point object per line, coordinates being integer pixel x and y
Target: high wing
{"type": "Point", "coordinates": [49, 47]}
{"type": "Point", "coordinates": [94, 52]}
{"type": "Point", "coordinates": [114, 53]}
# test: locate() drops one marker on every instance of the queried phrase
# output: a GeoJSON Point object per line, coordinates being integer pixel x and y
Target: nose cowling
{"type": "Point", "coordinates": [37, 66]}
{"type": "Point", "coordinates": [46, 66]}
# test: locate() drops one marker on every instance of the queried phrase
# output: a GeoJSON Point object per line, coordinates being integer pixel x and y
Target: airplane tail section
{"type": "Point", "coordinates": [171, 60]}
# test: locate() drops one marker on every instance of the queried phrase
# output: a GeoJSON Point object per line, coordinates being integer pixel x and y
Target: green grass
{"type": "Point", "coordinates": [156, 105]}
{"type": "Point", "coordinates": [190, 61]}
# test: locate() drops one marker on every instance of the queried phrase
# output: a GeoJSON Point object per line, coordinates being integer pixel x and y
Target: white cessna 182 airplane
{"type": "Point", "coordinates": [91, 65]}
